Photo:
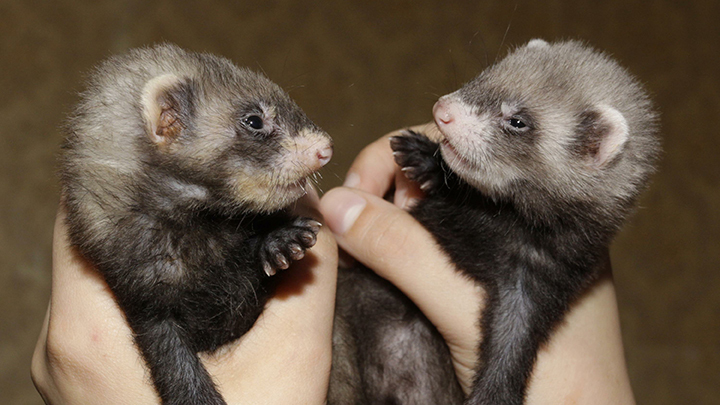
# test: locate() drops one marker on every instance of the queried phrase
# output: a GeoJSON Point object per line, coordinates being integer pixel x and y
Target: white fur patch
{"type": "Point", "coordinates": [506, 109]}
{"type": "Point", "coordinates": [189, 191]}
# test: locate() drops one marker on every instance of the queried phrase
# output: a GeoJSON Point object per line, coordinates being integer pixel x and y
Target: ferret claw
{"type": "Point", "coordinates": [283, 262]}
{"type": "Point", "coordinates": [315, 225]}
{"type": "Point", "coordinates": [416, 155]}
{"type": "Point", "coordinates": [308, 239]}
{"type": "Point", "coordinates": [296, 252]}
{"type": "Point", "coordinates": [288, 244]}
{"type": "Point", "coordinates": [269, 270]}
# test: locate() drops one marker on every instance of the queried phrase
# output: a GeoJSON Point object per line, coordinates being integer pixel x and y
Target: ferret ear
{"type": "Point", "coordinates": [167, 107]}
{"type": "Point", "coordinates": [537, 43]}
{"type": "Point", "coordinates": [607, 133]}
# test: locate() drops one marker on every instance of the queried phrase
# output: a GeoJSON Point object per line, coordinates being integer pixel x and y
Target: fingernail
{"type": "Point", "coordinates": [341, 208]}
{"type": "Point", "coordinates": [352, 180]}
{"type": "Point", "coordinates": [403, 200]}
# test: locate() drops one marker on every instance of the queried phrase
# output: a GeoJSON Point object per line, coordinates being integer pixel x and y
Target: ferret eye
{"type": "Point", "coordinates": [254, 122]}
{"type": "Point", "coordinates": [516, 123]}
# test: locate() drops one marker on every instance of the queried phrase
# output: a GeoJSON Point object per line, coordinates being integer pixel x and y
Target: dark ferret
{"type": "Point", "coordinates": [177, 172]}
{"type": "Point", "coordinates": [542, 158]}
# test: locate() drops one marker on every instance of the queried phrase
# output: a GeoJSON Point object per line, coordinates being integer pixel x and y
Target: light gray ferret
{"type": "Point", "coordinates": [177, 172]}
{"type": "Point", "coordinates": [543, 157]}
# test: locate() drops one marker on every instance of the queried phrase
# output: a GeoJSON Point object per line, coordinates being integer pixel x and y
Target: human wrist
{"type": "Point", "coordinates": [583, 361]}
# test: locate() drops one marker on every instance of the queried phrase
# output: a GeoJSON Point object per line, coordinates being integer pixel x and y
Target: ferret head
{"type": "Point", "coordinates": [551, 124]}
{"type": "Point", "coordinates": [206, 132]}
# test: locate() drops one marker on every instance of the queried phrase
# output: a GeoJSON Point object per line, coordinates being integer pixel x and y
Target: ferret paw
{"type": "Point", "coordinates": [419, 158]}
{"type": "Point", "coordinates": [287, 244]}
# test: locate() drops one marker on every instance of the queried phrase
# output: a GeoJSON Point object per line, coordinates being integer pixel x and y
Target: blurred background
{"type": "Point", "coordinates": [361, 69]}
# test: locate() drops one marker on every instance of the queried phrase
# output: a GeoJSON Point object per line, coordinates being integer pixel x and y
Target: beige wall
{"type": "Point", "coordinates": [360, 70]}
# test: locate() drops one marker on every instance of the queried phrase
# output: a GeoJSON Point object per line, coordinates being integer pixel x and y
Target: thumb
{"type": "Point", "coordinates": [391, 242]}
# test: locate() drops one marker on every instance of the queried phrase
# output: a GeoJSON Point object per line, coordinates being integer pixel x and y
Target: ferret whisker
{"type": "Point", "coordinates": [257, 62]}
{"type": "Point", "coordinates": [282, 70]}
{"type": "Point", "coordinates": [454, 69]}
{"type": "Point", "coordinates": [434, 95]}
{"type": "Point", "coordinates": [296, 77]}
{"type": "Point", "coordinates": [485, 49]}
{"type": "Point", "coordinates": [507, 30]}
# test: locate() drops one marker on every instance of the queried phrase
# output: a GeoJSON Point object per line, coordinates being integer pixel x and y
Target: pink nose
{"type": "Point", "coordinates": [324, 155]}
{"type": "Point", "coordinates": [443, 112]}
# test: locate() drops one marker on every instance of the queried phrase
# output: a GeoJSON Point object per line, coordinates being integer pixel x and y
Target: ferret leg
{"type": "Point", "coordinates": [287, 243]}
{"type": "Point", "coordinates": [176, 370]}
{"type": "Point", "coordinates": [420, 160]}
{"type": "Point", "coordinates": [517, 321]}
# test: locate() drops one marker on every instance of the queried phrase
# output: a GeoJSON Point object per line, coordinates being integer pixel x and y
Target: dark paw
{"type": "Point", "coordinates": [287, 244]}
{"type": "Point", "coordinates": [419, 158]}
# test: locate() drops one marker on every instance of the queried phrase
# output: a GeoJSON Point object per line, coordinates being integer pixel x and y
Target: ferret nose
{"type": "Point", "coordinates": [443, 112]}
{"type": "Point", "coordinates": [324, 155]}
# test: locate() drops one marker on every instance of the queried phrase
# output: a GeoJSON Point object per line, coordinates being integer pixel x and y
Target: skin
{"type": "Point", "coordinates": [85, 352]}
{"type": "Point", "coordinates": [583, 362]}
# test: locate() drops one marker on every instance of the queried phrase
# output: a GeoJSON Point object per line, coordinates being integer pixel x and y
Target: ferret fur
{"type": "Point", "coordinates": [543, 157]}
{"type": "Point", "coordinates": [176, 172]}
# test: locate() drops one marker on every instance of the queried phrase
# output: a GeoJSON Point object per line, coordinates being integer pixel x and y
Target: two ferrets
{"type": "Point", "coordinates": [176, 173]}
{"type": "Point", "coordinates": [178, 167]}
{"type": "Point", "coordinates": [542, 158]}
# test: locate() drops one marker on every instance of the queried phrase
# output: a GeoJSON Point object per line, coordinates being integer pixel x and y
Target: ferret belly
{"type": "Point", "coordinates": [385, 350]}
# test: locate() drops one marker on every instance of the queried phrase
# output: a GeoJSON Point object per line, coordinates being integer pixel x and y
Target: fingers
{"type": "Point", "coordinates": [407, 193]}
{"type": "Point", "coordinates": [82, 304]}
{"type": "Point", "coordinates": [389, 241]}
{"type": "Point", "coordinates": [86, 346]}
{"type": "Point", "coordinates": [392, 243]}
{"type": "Point", "coordinates": [85, 354]}
{"type": "Point", "coordinates": [39, 367]}
{"type": "Point", "coordinates": [373, 170]}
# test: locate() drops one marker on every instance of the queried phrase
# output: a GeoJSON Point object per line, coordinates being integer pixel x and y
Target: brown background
{"type": "Point", "coordinates": [360, 69]}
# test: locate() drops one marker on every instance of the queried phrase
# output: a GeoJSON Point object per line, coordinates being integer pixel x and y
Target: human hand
{"type": "Point", "coordinates": [583, 362]}
{"type": "Point", "coordinates": [85, 353]}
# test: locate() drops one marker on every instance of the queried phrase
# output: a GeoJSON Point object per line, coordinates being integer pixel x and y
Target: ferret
{"type": "Point", "coordinates": [177, 172]}
{"type": "Point", "coordinates": [542, 157]}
